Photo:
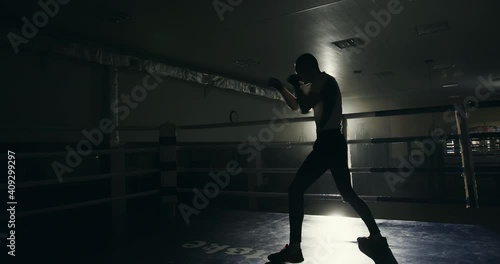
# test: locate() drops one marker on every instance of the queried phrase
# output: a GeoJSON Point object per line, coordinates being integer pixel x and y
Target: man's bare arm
{"type": "Point", "coordinates": [306, 102]}
{"type": "Point", "coordinates": [290, 99]}
{"type": "Point", "coordinates": [298, 101]}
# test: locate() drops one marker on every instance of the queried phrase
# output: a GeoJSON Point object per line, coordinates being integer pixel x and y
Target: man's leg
{"type": "Point", "coordinates": [311, 170]}
{"type": "Point", "coordinates": [375, 246]}
{"type": "Point", "coordinates": [342, 177]}
{"type": "Point", "coordinates": [343, 180]}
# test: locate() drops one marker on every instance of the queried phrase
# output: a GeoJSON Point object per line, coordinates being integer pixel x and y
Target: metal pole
{"type": "Point", "coordinates": [117, 166]}
{"type": "Point", "coordinates": [471, 194]}
{"type": "Point", "coordinates": [349, 161]}
{"type": "Point", "coordinates": [168, 167]}
{"type": "Point", "coordinates": [254, 180]}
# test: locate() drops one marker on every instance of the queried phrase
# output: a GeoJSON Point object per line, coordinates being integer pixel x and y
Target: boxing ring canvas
{"type": "Point", "coordinates": [233, 236]}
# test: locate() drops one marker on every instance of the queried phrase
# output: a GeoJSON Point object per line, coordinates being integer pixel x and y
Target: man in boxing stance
{"type": "Point", "coordinates": [320, 92]}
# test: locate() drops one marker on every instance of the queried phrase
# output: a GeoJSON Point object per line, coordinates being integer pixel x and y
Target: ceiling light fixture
{"type": "Point", "coordinates": [450, 85]}
{"type": "Point", "coordinates": [443, 66]}
{"type": "Point", "coordinates": [246, 63]}
{"type": "Point", "coordinates": [348, 43]}
{"type": "Point", "coordinates": [111, 15]}
{"type": "Point", "coordinates": [384, 74]}
{"type": "Point", "coordinates": [432, 28]}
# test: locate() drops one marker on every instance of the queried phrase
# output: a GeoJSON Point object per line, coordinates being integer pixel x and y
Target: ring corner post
{"type": "Point", "coordinates": [471, 193]}
{"type": "Point", "coordinates": [168, 170]}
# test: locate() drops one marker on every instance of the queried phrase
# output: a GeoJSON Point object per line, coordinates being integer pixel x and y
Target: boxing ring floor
{"type": "Point", "coordinates": [231, 236]}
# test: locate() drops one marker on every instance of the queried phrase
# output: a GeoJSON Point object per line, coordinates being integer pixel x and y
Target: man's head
{"type": "Point", "coordinates": [306, 66]}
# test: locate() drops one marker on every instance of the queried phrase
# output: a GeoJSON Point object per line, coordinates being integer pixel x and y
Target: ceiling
{"type": "Point", "coordinates": [273, 33]}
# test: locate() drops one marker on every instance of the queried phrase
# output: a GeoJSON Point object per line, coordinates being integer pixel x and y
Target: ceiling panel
{"type": "Point", "coordinates": [273, 33]}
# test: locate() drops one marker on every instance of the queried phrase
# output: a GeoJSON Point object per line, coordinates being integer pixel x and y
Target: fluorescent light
{"type": "Point", "coordinates": [246, 63]}
{"type": "Point", "coordinates": [111, 15]}
{"type": "Point", "coordinates": [443, 66]}
{"type": "Point", "coordinates": [384, 74]}
{"type": "Point", "coordinates": [450, 85]}
{"type": "Point", "coordinates": [432, 28]}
